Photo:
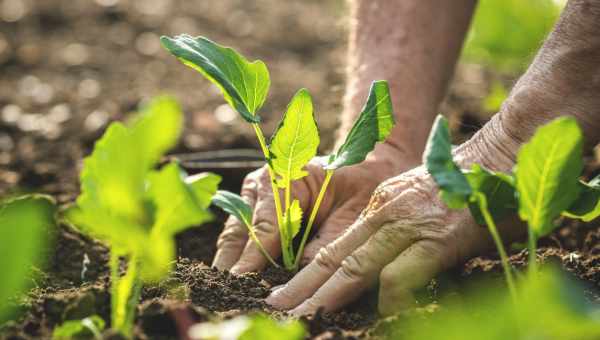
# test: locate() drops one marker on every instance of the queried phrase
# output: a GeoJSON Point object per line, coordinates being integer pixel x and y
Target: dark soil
{"type": "Point", "coordinates": [68, 68]}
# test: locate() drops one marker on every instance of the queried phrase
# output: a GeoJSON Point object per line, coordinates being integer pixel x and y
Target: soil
{"type": "Point", "coordinates": [69, 68]}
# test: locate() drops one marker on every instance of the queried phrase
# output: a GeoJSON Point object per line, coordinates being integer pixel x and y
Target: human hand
{"type": "Point", "coordinates": [348, 193]}
{"type": "Point", "coordinates": [404, 237]}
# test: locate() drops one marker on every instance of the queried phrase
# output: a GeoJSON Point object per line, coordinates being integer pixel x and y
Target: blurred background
{"type": "Point", "coordinates": [69, 67]}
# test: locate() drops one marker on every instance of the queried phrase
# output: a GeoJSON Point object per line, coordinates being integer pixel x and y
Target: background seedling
{"type": "Point", "coordinates": [544, 184]}
{"type": "Point", "coordinates": [138, 210]}
{"type": "Point", "coordinates": [245, 85]}
{"type": "Point", "coordinates": [24, 225]}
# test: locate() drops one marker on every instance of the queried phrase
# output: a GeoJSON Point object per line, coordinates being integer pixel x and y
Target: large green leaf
{"type": "Point", "coordinates": [547, 172]}
{"type": "Point", "coordinates": [234, 205]}
{"type": "Point", "coordinates": [373, 125]}
{"type": "Point", "coordinates": [295, 141]}
{"type": "Point", "coordinates": [114, 175]}
{"type": "Point", "coordinates": [24, 225]}
{"type": "Point", "coordinates": [204, 186]}
{"type": "Point", "coordinates": [587, 205]}
{"type": "Point", "coordinates": [244, 84]}
{"type": "Point", "coordinates": [156, 129]}
{"type": "Point", "coordinates": [499, 190]}
{"type": "Point", "coordinates": [454, 187]}
{"type": "Point", "coordinates": [175, 203]}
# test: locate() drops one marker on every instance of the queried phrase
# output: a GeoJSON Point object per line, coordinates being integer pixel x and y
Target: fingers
{"type": "Point", "coordinates": [325, 264]}
{"type": "Point", "coordinates": [230, 244]}
{"type": "Point", "coordinates": [411, 270]}
{"type": "Point", "coordinates": [234, 236]}
{"type": "Point", "coordinates": [333, 227]}
{"type": "Point", "coordinates": [360, 269]}
{"type": "Point", "coordinates": [266, 227]}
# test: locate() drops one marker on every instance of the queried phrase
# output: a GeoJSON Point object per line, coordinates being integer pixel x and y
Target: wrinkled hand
{"type": "Point", "coordinates": [347, 195]}
{"type": "Point", "coordinates": [404, 237]}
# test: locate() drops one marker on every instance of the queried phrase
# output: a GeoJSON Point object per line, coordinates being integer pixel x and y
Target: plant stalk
{"type": "Point", "coordinates": [265, 150]}
{"type": "Point", "coordinates": [313, 216]}
{"type": "Point", "coordinates": [532, 247]}
{"type": "Point", "coordinates": [255, 239]}
{"type": "Point", "coordinates": [125, 297]}
{"type": "Point", "coordinates": [489, 221]}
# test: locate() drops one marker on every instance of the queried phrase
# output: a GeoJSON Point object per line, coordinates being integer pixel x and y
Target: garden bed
{"type": "Point", "coordinates": [86, 94]}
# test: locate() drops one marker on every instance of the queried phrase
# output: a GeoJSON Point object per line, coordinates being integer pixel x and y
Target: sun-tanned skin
{"type": "Point", "coordinates": [406, 235]}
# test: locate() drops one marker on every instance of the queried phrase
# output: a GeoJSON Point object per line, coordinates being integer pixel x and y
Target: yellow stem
{"type": "Point", "coordinates": [265, 150]}
{"type": "Point", "coordinates": [313, 216]}
{"type": "Point", "coordinates": [510, 281]}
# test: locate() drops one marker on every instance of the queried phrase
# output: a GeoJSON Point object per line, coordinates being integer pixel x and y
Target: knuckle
{"type": "Point", "coordinates": [354, 267]}
{"type": "Point", "coordinates": [231, 236]}
{"type": "Point", "coordinates": [390, 237]}
{"type": "Point", "coordinates": [325, 258]}
{"type": "Point", "coordinates": [387, 279]}
{"type": "Point", "coordinates": [264, 228]}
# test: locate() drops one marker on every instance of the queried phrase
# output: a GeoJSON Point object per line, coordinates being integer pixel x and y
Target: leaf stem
{"type": "Point", "coordinates": [313, 216]}
{"type": "Point", "coordinates": [126, 292]}
{"type": "Point", "coordinates": [489, 221]}
{"type": "Point", "coordinates": [265, 150]}
{"type": "Point", "coordinates": [532, 247]}
{"type": "Point", "coordinates": [262, 249]}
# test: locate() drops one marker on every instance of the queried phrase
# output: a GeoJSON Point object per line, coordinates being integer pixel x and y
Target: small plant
{"type": "Point", "coordinates": [259, 326]}
{"type": "Point", "coordinates": [245, 86]}
{"type": "Point", "coordinates": [544, 184]}
{"type": "Point", "coordinates": [135, 209]}
{"type": "Point", "coordinates": [24, 225]}
{"type": "Point", "coordinates": [86, 328]}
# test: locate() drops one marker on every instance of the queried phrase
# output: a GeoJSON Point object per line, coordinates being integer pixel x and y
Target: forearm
{"type": "Point", "coordinates": [412, 44]}
{"type": "Point", "coordinates": [564, 79]}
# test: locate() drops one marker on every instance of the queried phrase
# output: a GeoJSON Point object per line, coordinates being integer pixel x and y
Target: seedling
{"type": "Point", "coordinates": [484, 192]}
{"type": "Point", "coordinates": [24, 224]}
{"type": "Point", "coordinates": [89, 327]}
{"type": "Point", "coordinates": [544, 184]}
{"type": "Point", "coordinates": [135, 209]}
{"type": "Point", "coordinates": [245, 85]}
{"type": "Point", "coordinates": [259, 326]}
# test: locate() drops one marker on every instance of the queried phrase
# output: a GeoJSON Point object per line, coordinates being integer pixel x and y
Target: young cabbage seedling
{"type": "Point", "coordinates": [488, 195]}
{"type": "Point", "coordinates": [138, 210]}
{"type": "Point", "coordinates": [245, 85]}
{"type": "Point", "coordinates": [24, 225]}
{"type": "Point", "coordinates": [547, 177]}
{"type": "Point", "coordinates": [544, 184]}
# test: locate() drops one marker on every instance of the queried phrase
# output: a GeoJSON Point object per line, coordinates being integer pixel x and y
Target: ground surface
{"type": "Point", "coordinates": [68, 68]}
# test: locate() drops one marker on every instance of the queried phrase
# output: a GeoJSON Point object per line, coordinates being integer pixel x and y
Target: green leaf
{"type": "Point", "coordinates": [244, 84]}
{"type": "Point", "coordinates": [373, 125]}
{"type": "Point", "coordinates": [292, 221]}
{"type": "Point", "coordinates": [176, 204]}
{"type": "Point", "coordinates": [587, 205]}
{"type": "Point", "coordinates": [204, 185]}
{"type": "Point", "coordinates": [547, 172]}
{"type": "Point", "coordinates": [295, 141]}
{"type": "Point", "coordinates": [113, 176]}
{"type": "Point", "coordinates": [235, 205]}
{"type": "Point", "coordinates": [24, 223]}
{"type": "Point", "coordinates": [90, 326]}
{"type": "Point", "coordinates": [265, 328]}
{"type": "Point", "coordinates": [243, 327]}
{"type": "Point", "coordinates": [156, 129]}
{"type": "Point", "coordinates": [499, 189]}
{"type": "Point", "coordinates": [454, 187]}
